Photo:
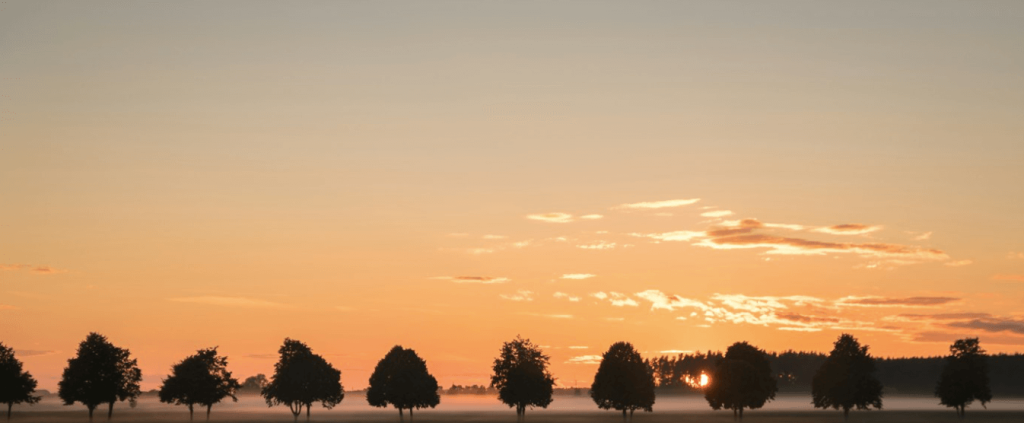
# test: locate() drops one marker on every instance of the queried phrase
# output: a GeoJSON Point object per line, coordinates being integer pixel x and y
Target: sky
{"type": "Point", "coordinates": [448, 175]}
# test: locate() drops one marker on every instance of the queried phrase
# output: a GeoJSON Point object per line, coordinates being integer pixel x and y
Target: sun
{"type": "Point", "coordinates": [703, 380]}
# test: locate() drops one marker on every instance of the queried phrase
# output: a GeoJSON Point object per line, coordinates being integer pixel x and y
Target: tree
{"type": "Point", "coordinates": [965, 377]}
{"type": "Point", "coordinates": [742, 379]}
{"type": "Point", "coordinates": [846, 379]}
{"type": "Point", "coordinates": [201, 379]}
{"type": "Point", "coordinates": [402, 380]}
{"type": "Point", "coordinates": [16, 386]}
{"type": "Point", "coordinates": [624, 381]}
{"type": "Point", "coordinates": [254, 384]}
{"type": "Point", "coordinates": [521, 376]}
{"type": "Point", "coordinates": [100, 373]}
{"type": "Point", "coordinates": [302, 378]}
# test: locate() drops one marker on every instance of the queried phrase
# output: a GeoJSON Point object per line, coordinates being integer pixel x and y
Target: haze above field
{"type": "Point", "coordinates": [445, 176]}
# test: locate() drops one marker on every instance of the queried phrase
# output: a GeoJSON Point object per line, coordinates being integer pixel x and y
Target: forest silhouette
{"type": "Point", "coordinates": [744, 377]}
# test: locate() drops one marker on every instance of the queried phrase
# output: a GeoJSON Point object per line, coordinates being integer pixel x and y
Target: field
{"type": "Point", "coordinates": [563, 410]}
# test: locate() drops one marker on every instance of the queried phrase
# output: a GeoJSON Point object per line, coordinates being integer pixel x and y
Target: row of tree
{"type": "Point", "coordinates": [742, 378]}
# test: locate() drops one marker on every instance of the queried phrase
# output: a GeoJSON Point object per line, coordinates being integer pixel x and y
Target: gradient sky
{"type": "Point", "coordinates": [445, 176]}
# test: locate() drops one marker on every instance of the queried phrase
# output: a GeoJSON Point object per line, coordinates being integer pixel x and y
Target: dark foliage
{"type": "Point", "coordinates": [253, 384]}
{"type": "Point", "coordinates": [965, 377]}
{"type": "Point", "coordinates": [795, 371]}
{"type": "Point", "coordinates": [743, 379]}
{"type": "Point", "coordinates": [623, 381]}
{"type": "Point", "coordinates": [302, 378]}
{"type": "Point", "coordinates": [100, 373]}
{"type": "Point", "coordinates": [402, 380]}
{"type": "Point", "coordinates": [16, 386]}
{"type": "Point", "coordinates": [521, 376]}
{"type": "Point", "coordinates": [470, 390]}
{"type": "Point", "coordinates": [201, 379]}
{"type": "Point", "coordinates": [846, 379]}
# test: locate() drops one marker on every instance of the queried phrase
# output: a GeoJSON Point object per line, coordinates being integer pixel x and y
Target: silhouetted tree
{"type": "Point", "coordinates": [846, 379]}
{"type": "Point", "coordinates": [16, 386]}
{"type": "Point", "coordinates": [965, 377]}
{"type": "Point", "coordinates": [254, 383]}
{"type": "Point", "coordinates": [623, 381]}
{"type": "Point", "coordinates": [201, 379]}
{"type": "Point", "coordinates": [100, 373]}
{"type": "Point", "coordinates": [743, 379]}
{"type": "Point", "coordinates": [302, 378]}
{"type": "Point", "coordinates": [521, 376]}
{"type": "Point", "coordinates": [402, 380]}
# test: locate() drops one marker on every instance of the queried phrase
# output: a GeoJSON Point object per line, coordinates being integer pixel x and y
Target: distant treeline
{"type": "Point", "coordinates": [795, 371]}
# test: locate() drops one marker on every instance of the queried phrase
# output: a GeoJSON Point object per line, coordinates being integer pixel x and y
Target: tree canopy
{"type": "Point", "coordinates": [623, 381]}
{"type": "Point", "coordinates": [846, 379]}
{"type": "Point", "coordinates": [100, 373]}
{"type": "Point", "coordinates": [201, 379]}
{"type": "Point", "coordinates": [16, 385]}
{"type": "Point", "coordinates": [965, 377]}
{"type": "Point", "coordinates": [521, 376]}
{"type": "Point", "coordinates": [302, 378]}
{"type": "Point", "coordinates": [742, 379]}
{"type": "Point", "coordinates": [402, 380]}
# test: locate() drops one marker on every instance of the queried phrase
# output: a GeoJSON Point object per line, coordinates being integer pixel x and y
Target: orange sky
{"type": "Point", "coordinates": [446, 176]}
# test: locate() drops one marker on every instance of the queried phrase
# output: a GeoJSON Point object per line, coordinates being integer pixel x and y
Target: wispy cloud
{"type": "Point", "coordinates": [494, 236]}
{"type": "Point", "coordinates": [717, 213]}
{"type": "Point", "coordinates": [599, 295]}
{"type": "Point", "coordinates": [923, 236]}
{"type": "Point", "coordinates": [1008, 278]}
{"type": "Point", "coordinates": [563, 295]}
{"type": "Point", "coordinates": [658, 204]}
{"type": "Point", "coordinates": [673, 236]}
{"type": "Point", "coordinates": [34, 353]}
{"type": "Point", "coordinates": [621, 300]}
{"type": "Point", "coordinates": [591, 216]}
{"type": "Point", "coordinates": [895, 302]}
{"type": "Point", "coordinates": [473, 279]}
{"type": "Point", "coordinates": [229, 301]}
{"type": "Point", "coordinates": [992, 325]}
{"type": "Point", "coordinates": [549, 316]}
{"type": "Point", "coordinates": [555, 217]}
{"type": "Point", "coordinates": [37, 269]}
{"type": "Point", "coordinates": [1015, 256]}
{"type": "Point", "coordinates": [599, 245]}
{"type": "Point", "coordinates": [577, 276]}
{"type": "Point", "coordinates": [959, 263]}
{"type": "Point", "coordinates": [578, 347]}
{"type": "Point", "coordinates": [520, 295]}
{"type": "Point", "coordinates": [848, 229]}
{"type": "Point", "coordinates": [7, 307]}
{"type": "Point", "coordinates": [585, 359]}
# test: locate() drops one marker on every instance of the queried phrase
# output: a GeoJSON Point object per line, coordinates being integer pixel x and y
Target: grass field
{"type": "Point", "coordinates": [788, 408]}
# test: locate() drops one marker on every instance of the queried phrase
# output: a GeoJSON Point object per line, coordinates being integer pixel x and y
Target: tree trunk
{"type": "Point", "coordinates": [410, 414]}
{"type": "Point", "coordinates": [190, 412]}
{"type": "Point", "coordinates": [91, 407]}
{"type": "Point", "coordinates": [846, 414]}
{"type": "Point", "coordinates": [631, 410]}
{"type": "Point", "coordinates": [9, 405]}
{"type": "Point", "coordinates": [208, 407]}
{"type": "Point", "coordinates": [307, 411]}
{"type": "Point", "coordinates": [741, 413]}
{"type": "Point", "coordinates": [623, 414]}
{"type": "Point", "coordinates": [401, 415]}
{"type": "Point", "coordinates": [110, 411]}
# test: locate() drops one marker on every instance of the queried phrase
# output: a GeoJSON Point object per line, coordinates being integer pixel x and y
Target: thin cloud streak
{"type": "Point", "coordinates": [848, 229]}
{"type": "Point", "coordinates": [556, 217]}
{"type": "Point", "coordinates": [658, 204]}
{"type": "Point", "coordinates": [473, 279]}
{"type": "Point", "coordinates": [229, 301]}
